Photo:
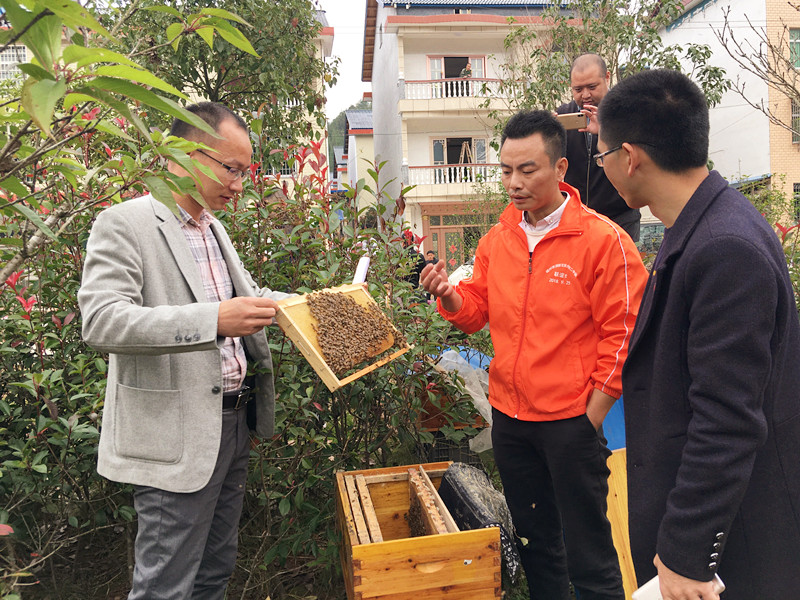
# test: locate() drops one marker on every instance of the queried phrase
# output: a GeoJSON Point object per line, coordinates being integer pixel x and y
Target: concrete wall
{"type": "Point", "coordinates": [740, 135]}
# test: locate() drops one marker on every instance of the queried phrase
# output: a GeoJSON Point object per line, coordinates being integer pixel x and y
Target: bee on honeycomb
{"type": "Point", "coordinates": [348, 333]}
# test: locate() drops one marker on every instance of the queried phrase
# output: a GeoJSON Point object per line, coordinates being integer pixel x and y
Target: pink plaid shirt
{"type": "Point", "coordinates": [218, 286]}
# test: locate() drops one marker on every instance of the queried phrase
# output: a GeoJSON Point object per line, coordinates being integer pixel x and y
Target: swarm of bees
{"type": "Point", "coordinates": [348, 333]}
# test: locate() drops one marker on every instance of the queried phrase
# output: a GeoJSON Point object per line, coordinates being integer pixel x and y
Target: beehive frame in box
{"type": "Point", "coordinates": [296, 320]}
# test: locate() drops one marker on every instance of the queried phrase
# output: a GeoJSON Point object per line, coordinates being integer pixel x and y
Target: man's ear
{"type": "Point", "coordinates": [633, 155]}
{"type": "Point", "coordinates": [561, 168]}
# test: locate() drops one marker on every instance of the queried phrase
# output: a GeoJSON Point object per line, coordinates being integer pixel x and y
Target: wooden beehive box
{"type": "Point", "coordinates": [380, 559]}
{"type": "Point", "coordinates": [295, 319]}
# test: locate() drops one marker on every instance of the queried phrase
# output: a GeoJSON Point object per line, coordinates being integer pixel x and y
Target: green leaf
{"type": "Point", "coordinates": [165, 9]}
{"type": "Point", "coordinates": [15, 186]}
{"type": "Point", "coordinates": [43, 38]}
{"type": "Point", "coordinates": [140, 76]}
{"type": "Point", "coordinates": [207, 33]}
{"type": "Point", "coordinates": [284, 506]}
{"type": "Point", "coordinates": [108, 127]}
{"type": "Point", "coordinates": [35, 71]}
{"type": "Point", "coordinates": [145, 96]}
{"type": "Point", "coordinates": [231, 35]}
{"type": "Point", "coordinates": [40, 468]}
{"type": "Point", "coordinates": [76, 16]}
{"type": "Point", "coordinates": [161, 191]}
{"type": "Point", "coordinates": [28, 213]}
{"type": "Point", "coordinates": [39, 100]}
{"type": "Point", "coordinates": [223, 14]}
{"type": "Point", "coordinates": [174, 33]}
{"type": "Point", "coordinates": [88, 56]}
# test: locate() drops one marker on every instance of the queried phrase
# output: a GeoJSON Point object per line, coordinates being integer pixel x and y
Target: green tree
{"type": "Point", "coordinates": [283, 78]}
{"type": "Point", "coordinates": [73, 134]}
{"type": "Point", "coordinates": [625, 34]}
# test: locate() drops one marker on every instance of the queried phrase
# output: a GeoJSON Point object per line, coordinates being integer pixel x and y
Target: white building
{"type": "Point", "coordinates": [431, 124]}
{"type": "Point", "coordinates": [740, 135]}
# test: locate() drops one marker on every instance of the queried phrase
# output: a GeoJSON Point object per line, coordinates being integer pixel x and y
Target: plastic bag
{"type": "Point", "coordinates": [476, 383]}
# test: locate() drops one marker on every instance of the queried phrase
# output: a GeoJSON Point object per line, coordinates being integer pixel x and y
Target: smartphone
{"type": "Point", "coordinates": [573, 120]}
{"type": "Point", "coordinates": [651, 590]}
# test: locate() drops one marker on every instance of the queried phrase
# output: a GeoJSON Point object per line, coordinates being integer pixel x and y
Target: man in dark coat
{"type": "Point", "coordinates": [589, 80]}
{"type": "Point", "coordinates": [712, 382]}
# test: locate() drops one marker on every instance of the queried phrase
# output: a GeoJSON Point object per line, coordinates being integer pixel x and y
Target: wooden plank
{"type": "Point", "coordinates": [343, 500]}
{"type": "Point", "coordinates": [355, 507]}
{"type": "Point", "coordinates": [449, 522]}
{"type": "Point", "coordinates": [368, 509]}
{"type": "Point", "coordinates": [437, 566]}
{"type": "Point", "coordinates": [618, 515]}
{"type": "Point", "coordinates": [421, 494]}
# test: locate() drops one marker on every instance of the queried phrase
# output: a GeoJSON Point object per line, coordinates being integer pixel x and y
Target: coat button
{"type": "Point", "coordinates": [178, 338]}
{"type": "Point", "coordinates": [712, 566]}
{"type": "Point", "coordinates": [196, 337]}
{"type": "Point", "coordinates": [188, 338]}
{"type": "Point", "coordinates": [216, 389]}
{"type": "Point", "coordinates": [719, 536]}
{"type": "Point", "coordinates": [717, 546]}
{"type": "Point", "coordinates": [714, 556]}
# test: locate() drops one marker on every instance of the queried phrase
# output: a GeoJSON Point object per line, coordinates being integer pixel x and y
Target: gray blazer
{"type": "Point", "coordinates": [143, 302]}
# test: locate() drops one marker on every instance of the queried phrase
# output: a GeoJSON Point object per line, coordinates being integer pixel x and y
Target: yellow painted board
{"type": "Point", "coordinates": [618, 515]}
{"type": "Point", "coordinates": [295, 319]}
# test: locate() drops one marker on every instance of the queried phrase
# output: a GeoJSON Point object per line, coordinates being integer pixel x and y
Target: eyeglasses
{"type": "Point", "coordinates": [233, 172]}
{"type": "Point", "coordinates": [599, 158]}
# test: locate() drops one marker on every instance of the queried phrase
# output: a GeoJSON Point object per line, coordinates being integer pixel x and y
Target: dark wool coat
{"type": "Point", "coordinates": [712, 404]}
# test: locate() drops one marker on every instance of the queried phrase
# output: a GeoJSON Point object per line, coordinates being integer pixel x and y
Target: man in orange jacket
{"type": "Point", "coordinates": [559, 285]}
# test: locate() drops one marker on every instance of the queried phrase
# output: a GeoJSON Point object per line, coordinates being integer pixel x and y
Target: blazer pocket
{"type": "Point", "coordinates": [148, 424]}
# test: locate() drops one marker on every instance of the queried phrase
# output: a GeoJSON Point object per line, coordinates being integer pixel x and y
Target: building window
{"type": "Point", "coordinates": [794, 47]}
{"type": "Point", "coordinates": [9, 59]}
{"type": "Point", "coordinates": [796, 201]}
{"type": "Point", "coordinates": [795, 122]}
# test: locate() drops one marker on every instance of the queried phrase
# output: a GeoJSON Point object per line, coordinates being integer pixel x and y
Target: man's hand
{"type": "Point", "coordinates": [433, 280]}
{"type": "Point", "coordinates": [678, 587]}
{"type": "Point", "coordinates": [593, 126]}
{"type": "Point", "coordinates": [598, 406]}
{"type": "Point", "coordinates": [244, 315]}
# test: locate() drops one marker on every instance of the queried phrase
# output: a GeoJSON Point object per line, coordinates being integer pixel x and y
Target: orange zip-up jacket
{"type": "Point", "coordinates": [560, 317]}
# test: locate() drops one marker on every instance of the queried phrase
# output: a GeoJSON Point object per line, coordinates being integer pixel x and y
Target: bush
{"type": "Point", "coordinates": [52, 387]}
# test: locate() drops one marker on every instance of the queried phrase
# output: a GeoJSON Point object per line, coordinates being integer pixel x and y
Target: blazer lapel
{"type": "Point", "coordinates": [171, 230]}
{"type": "Point", "coordinates": [672, 246]}
{"type": "Point", "coordinates": [240, 284]}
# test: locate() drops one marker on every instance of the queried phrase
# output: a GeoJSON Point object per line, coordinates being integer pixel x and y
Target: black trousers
{"type": "Point", "coordinates": [555, 479]}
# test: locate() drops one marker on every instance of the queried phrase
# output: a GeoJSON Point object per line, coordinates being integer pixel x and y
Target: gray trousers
{"type": "Point", "coordinates": [186, 543]}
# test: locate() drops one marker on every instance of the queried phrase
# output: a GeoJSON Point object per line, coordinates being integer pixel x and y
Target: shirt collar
{"type": "Point", "coordinates": [185, 219]}
{"type": "Point", "coordinates": [548, 222]}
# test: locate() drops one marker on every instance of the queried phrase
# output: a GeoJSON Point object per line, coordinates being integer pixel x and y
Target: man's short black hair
{"type": "Point", "coordinates": [212, 113]}
{"type": "Point", "coordinates": [662, 111]}
{"type": "Point", "coordinates": [528, 122]}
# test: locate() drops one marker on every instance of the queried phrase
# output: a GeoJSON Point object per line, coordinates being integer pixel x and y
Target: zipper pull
{"type": "Point", "coordinates": [530, 262]}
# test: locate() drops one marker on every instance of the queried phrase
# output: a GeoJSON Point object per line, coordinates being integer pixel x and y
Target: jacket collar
{"type": "Point", "coordinates": [703, 197]}
{"type": "Point", "coordinates": [570, 220]}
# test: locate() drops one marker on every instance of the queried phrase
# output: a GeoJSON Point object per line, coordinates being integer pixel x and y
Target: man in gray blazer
{"type": "Point", "coordinates": [168, 298]}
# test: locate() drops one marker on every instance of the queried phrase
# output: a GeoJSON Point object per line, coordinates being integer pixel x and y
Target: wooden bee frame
{"type": "Point", "coordinates": [295, 319]}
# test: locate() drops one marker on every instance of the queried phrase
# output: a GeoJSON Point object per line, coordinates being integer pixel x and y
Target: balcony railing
{"type": "Point", "coordinates": [463, 173]}
{"type": "Point", "coordinates": [451, 88]}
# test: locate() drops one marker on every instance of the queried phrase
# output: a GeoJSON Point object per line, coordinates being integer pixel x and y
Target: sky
{"type": "Point", "coordinates": [347, 19]}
